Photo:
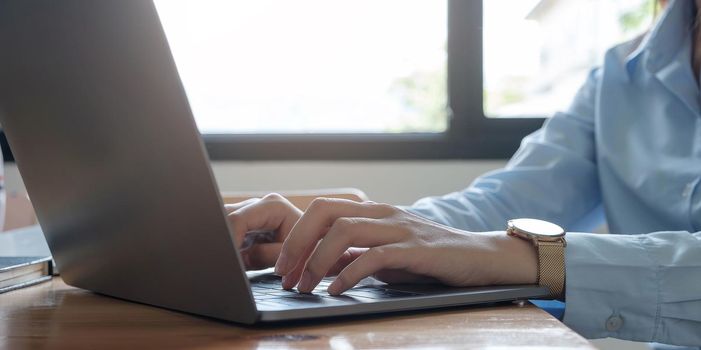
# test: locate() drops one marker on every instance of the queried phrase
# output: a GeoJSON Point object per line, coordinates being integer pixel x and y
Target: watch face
{"type": "Point", "coordinates": [538, 228]}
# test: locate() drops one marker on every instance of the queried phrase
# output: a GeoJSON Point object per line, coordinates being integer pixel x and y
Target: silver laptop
{"type": "Point", "coordinates": [101, 130]}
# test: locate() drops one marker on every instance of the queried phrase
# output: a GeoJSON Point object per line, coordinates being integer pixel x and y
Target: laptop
{"type": "Point", "coordinates": [102, 133]}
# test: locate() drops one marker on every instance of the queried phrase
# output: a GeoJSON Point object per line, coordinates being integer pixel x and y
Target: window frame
{"type": "Point", "coordinates": [470, 134]}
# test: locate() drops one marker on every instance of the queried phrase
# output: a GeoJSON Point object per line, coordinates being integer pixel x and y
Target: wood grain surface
{"type": "Point", "coordinates": [53, 315]}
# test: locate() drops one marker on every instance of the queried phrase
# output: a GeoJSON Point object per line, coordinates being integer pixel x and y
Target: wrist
{"type": "Point", "coordinates": [518, 259]}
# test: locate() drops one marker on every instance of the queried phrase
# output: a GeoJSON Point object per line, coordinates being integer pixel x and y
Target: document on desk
{"type": "Point", "coordinates": [20, 272]}
{"type": "Point", "coordinates": [24, 242]}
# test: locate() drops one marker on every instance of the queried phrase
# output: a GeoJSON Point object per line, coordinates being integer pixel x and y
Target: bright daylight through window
{"type": "Point", "coordinates": [380, 66]}
{"type": "Point", "coordinates": [311, 66]}
{"type": "Point", "coordinates": [537, 53]}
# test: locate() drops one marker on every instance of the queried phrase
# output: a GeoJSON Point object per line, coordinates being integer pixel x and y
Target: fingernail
{"type": "Point", "coordinates": [285, 280]}
{"type": "Point", "coordinates": [280, 265]}
{"type": "Point", "coordinates": [335, 287]}
{"type": "Point", "coordinates": [305, 283]}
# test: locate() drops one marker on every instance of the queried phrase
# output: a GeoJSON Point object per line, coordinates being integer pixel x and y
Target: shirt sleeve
{"type": "Point", "coordinates": [636, 287]}
{"type": "Point", "coordinates": [553, 176]}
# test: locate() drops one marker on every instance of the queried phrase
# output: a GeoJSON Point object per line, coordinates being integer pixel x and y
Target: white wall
{"type": "Point", "coordinates": [395, 182]}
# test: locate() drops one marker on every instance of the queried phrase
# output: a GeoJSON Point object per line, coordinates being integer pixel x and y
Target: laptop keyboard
{"type": "Point", "coordinates": [268, 293]}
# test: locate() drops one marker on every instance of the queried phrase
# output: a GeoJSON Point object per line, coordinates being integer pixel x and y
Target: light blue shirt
{"type": "Point", "coordinates": [630, 142]}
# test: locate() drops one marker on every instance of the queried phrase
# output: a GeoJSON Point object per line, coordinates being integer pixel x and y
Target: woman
{"type": "Point", "coordinates": [631, 140]}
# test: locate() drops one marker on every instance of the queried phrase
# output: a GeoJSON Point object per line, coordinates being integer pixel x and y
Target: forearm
{"type": "Point", "coordinates": [552, 177]}
{"type": "Point", "coordinates": [525, 191]}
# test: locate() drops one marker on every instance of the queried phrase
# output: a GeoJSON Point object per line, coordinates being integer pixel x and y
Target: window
{"type": "Point", "coordinates": [311, 66]}
{"type": "Point", "coordinates": [341, 79]}
{"type": "Point", "coordinates": [385, 79]}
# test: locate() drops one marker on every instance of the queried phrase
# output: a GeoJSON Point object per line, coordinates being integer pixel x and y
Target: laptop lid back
{"type": "Point", "coordinates": [98, 121]}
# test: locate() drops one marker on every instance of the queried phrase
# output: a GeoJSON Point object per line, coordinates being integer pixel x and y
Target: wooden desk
{"type": "Point", "coordinates": [55, 316]}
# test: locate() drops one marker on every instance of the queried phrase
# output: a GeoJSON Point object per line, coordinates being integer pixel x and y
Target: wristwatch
{"type": "Point", "coordinates": [549, 240]}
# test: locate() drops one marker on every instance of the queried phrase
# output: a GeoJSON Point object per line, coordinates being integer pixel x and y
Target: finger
{"type": "Point", "coordinates": [344, 233]}
{"type": "Point", "coordinates": [273, 213]}
{"type": "Point", "coordinates": [346, 258]}
{"type": "Point", "coordinates": [291, 278]}
{"type": "Point", "coordinates": [258, 237]}
{"type": "Point", "coordinates": [261, 256]}
{"type": "Point", "coordinates": [236, 206]}
{"type": "Point", "coordinates": [372, 261]}
{"type": "Point", "coordinates": [310, 227]}
{"type": "Point", "coordinates": [294, 276]}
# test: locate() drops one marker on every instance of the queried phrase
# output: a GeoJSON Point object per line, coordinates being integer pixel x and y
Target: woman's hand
{"type": "Point", "coordinates": [371, 239]}
{"type": "Point", "coordinates": [259, 226]}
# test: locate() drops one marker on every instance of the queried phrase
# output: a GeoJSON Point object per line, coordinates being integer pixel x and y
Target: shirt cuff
{"type": "Point", "coordinates": [612, 287]}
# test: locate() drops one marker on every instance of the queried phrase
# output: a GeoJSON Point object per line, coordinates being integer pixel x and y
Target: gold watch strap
{"type": "Point", "coordinates": [551, 267]}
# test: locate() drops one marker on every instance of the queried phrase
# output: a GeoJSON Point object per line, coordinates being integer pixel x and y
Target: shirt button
{"type": "Point", "coordinates": [688, 189]}
{"type": "Point", "coordinates": [614, 323]}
